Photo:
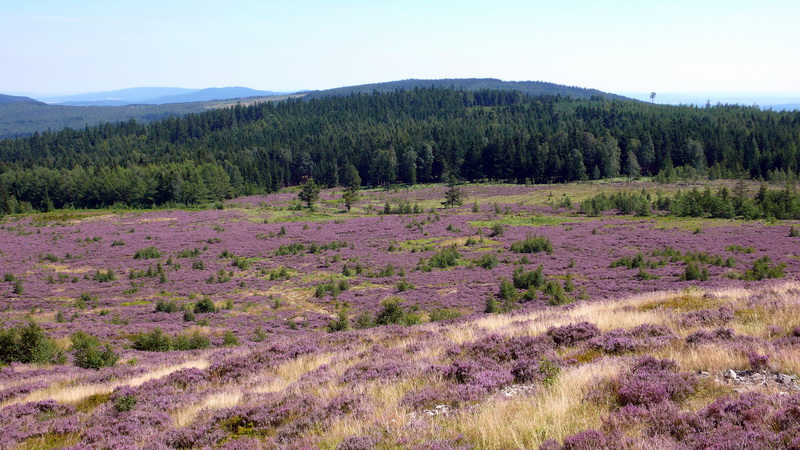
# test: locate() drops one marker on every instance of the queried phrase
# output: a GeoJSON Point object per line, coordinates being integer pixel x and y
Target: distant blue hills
{"type": "Point", "coordinates": [155, 96]}
{"type": "Point", "coordinates": [774, 101]}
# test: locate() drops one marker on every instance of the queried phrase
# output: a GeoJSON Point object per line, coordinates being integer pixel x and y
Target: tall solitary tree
{"type": "Point", "coordinates": [453, 196]}
{"type": "Point", "coordinates": [352, 186]}
{"type": "Point", "coordinates": [309, 192]}
{"type": "Point", "coordinates": [652, 97]}
{"type": "Point", "coordinates": [632, 167]}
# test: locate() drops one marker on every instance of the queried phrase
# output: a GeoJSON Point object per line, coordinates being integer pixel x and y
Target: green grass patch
{"type": "Point", "coordinates": [87, 404]}
{"type": "Point", "coordinates": [684, 302]}
{"type": "Point", "coordinates": [50, 440]}
{"type": "Point", "coordinates": [529, 221]}
{"type": "Point", "coordinates": [136, 303]}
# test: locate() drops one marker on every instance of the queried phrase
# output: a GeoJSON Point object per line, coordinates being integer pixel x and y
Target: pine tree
{"type": "Point", "coordinates": [309, 192]}
{"type": "Point", "coordinates": [632, 168]}
{"type": "Point", "coordinates": [352, 186]}
{"type": "Point", "coordinates": [453, 196]}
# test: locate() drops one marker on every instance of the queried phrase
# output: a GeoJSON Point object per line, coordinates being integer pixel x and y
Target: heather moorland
{"type": "Point", "coordinates": [516, 317]}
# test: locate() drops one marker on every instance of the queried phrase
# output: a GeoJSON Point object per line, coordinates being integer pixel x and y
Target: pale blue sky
{"type": "Point", "coordinates": [60, 47]}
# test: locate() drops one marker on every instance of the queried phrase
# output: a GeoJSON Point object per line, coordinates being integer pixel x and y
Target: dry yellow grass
{"type": "Point", "coordinates": [217, 400]}
{"type": "Point", "coordinates": [552, 413]}
{"type": "Point", "coordinates": [291, 371]}
{"type": "Point", "coordinates": [73, 394]}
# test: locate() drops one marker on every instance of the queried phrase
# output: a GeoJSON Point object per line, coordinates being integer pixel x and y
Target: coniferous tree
{"type": "Point", "coordinates": [453, 196]}
{"type": "Point", "coordinates": [648, 154]}
{"type": "Point", "coordinates": [353, 185]}
{"type": "Point", "coordinates": [633, 170]}
{"type": "Point", "coordinates": [407, 169]}
{"type": "Point", "coordinates": [576, 170]}
{"type": "Point", "coordinates": [309, 192]}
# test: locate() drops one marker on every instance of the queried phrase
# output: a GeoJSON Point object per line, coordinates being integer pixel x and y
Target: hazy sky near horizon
{"type": "Point", "coordinates": [62, 47]}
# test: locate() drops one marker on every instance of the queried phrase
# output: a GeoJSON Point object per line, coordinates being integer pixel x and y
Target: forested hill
{"type": "Point", "coordinates": [23, 116]}
{"type": "Point", "coordinates": [6, 99]}
{"type": "Point", "coordinates": [406, 136]}
{"type": "Point", "coordinates": [530, 88]}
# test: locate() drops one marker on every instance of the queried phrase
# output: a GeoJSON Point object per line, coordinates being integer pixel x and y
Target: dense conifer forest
{"type": "Point", "coordinates": [407, 136]}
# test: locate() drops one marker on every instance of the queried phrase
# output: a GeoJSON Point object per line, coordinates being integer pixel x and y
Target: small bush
{"type": "Point", "coordinates": [154, 341]}
{"type": "Point", "coordinates": [440, 314]}
{"type": "Point", "coordinates": [533, 244]}
{"type": "Point", "coordinates": [448, 257]}
{"type": "Point", "coordinates": [393, 312]}
{"type": "Point", "coordinates": [28, 344]}
{"type": "Point", "coordinates": [342, 322]}
{"type": "Point", "coordinates": [167, 306]}
{"type": "Point", "coordinates": [364, 321]}
{"type": "Point", "coordinates": [332, 287]}
{"type": "Point", "coordinates": [556, 294]}
{"type": "Point", "coordinates": [125, 403]}
{"type": "Point", "coordinates": [404, 285]}
{"type": "Point", "coordinates": [205, 305]}
{"type": "Point", "coordinates": [492, 307]}
{"type": "Point", "coordinates": [88, 352]}
{"type": "Point", "coordinates": [193, 341]}
{"type": "Point", "coordinates": [280, 273]}
{"type": "Point", "coordinates": [230, 339]}
{"type": "Point", "coordinates": [507, 291]}
{"type": "Point", "coordinates": [19, 288]}
{"type": "Point", "coordinates": [644, 275]}
{"type": "Point", "coordinates": [50, 257]}
{"type": "Point", "coordinates": [762, 270]}
{"type": "Point", "coordinates": [530, 279]}
{"type": "Point", "coordinates": [147, 253]}
{"type": "Point", "coordinates": [694, 272]}
{"type": "Point", "coordinates": [497, 230]}
{"type": "Point", "coordinates": [104, 277]}
{"type": "Point", "coordinates": [241, 263]}
{"type": "Point", "coordinates": [487, 261]}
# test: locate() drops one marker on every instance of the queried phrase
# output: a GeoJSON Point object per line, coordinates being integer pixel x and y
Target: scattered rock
{"type": "Point", "coordinates": [517, 389]}
{"type": "Point", "coordinates": [746, 380]}
{"type": "Point", "coordinates": [438, 410]}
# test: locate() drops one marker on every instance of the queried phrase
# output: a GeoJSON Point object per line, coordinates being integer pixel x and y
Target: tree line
{"type": "Point", "coordinates": [407, 136]}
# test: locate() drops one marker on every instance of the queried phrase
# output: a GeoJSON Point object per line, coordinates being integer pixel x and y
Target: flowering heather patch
{"type": "Point", "coordinates": [219, 277]}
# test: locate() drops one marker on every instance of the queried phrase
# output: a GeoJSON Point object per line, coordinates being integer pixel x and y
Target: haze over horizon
{"type": "Point", "coordinates": [620, 46]}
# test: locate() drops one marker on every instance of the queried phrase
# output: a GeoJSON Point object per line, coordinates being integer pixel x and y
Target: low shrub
{"type": "Point", "coordinates": [27, 344]}
{"type": "Point", "coordinates": [147, 253]}
{"type": "Point", "coordinates": [533, 244]}
{"type": "Point", "coordinates": [205, 305]}
{"type": "Point", "coordinates": [487, 261]}
{"type": "Point", "coordinates": [89, 354]}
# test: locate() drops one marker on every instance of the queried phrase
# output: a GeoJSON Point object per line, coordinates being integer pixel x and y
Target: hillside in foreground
{"type": "Point", "coordinates": [266, 324]}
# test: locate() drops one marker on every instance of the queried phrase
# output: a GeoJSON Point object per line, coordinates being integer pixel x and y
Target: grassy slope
{"type": "Point", "coordinates": [762, 313]}
{"type": "Point", "coordinates": [526, 420]}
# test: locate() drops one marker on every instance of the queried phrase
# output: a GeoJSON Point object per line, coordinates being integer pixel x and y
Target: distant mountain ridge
{"type": "Point", "coordinates": [6, 99]}
{"type": "Point", "coordinates": [530, 88]}
{"type": "Point", "coordinates": [23, 116]}
{"type": "Point", "coordinates": [156, 96]}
